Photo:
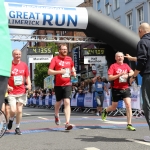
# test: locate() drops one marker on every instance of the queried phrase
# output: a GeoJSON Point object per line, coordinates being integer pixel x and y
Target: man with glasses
{"type": "Point", "coordinates": [62, 67]}
{"type": "Point", "coordinates": [119, 73]}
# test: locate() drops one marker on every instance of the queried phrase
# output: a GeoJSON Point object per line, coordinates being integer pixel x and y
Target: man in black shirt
{"type": "Point", "coordinates": [143, 68]}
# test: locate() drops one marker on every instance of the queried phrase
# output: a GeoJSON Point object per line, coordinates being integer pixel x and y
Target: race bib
{"type": "Point", "coordinates": [121, 79]}
{"type": "Point", "coordinates": [99, 85]}
{"type": "Point", "coordinates": [18, 80]}
{"type": "Point", "coordinates": [67, 74]}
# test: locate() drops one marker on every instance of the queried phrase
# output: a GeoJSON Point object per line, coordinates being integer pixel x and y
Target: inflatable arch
{"type": "Point", "coordinates": [91, 22]}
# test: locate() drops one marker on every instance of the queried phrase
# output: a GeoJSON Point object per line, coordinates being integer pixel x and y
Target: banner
{"type": "Point", "coordinates": [107, 99]}
{"type": "Point", "coordinates": [53, 99]}
{"type": "Point", "coordinates": [80, 100]}
{"type": "Point", "coordinates": [46, 100]}
{"type": "Point", "coordinates": [74, 100]}
{"type": "Point", "coordinates": [40, 58]}
{"type": "Point", "coordinates": [88, 100]}
{"type": "Point", "coordinates": [94, 60]}
{"type": "Point", "coordinates": [45, 16]}
{"type": "Point", "coordinates": [50, 100]}
{"type": "Point", "coordinates": [49, 82]}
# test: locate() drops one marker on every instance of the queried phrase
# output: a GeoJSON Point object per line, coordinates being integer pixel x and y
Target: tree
{"type": "Point", "coordinates": [40, 74]}
{"type": "Point", "coordinates": [41, 68]}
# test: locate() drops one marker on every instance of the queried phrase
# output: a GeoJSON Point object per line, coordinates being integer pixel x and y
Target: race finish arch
{"type": "Point", "coordinates": [91, 22]}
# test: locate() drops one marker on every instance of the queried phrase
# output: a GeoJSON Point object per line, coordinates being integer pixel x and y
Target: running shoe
{"type": "Point", "coordinates": [104, 115]}
{"type": "Point", "coordinates": [57, 120]}
{"type": "Point", "coordinates": [97, 114]}
{"type": "Point", "coordinates": [17, 131]}
{"type": "Point", "coordinates": [10, 124]}
{"type": "Point", "coordinates": [147, 138]}
{"type": "Point", "coordinates": [131, 128]}
{"type": "Point", "coordinates": [68, 126]}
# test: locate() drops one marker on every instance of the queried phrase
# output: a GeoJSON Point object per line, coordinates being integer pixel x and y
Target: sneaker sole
{"type": "Point", "coordinates": [131, 130]}
{"type": "Point", "coordinates": [69, 128]}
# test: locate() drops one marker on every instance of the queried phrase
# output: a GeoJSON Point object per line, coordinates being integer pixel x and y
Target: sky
{"type": "Point", "coordinates": [66, 3]}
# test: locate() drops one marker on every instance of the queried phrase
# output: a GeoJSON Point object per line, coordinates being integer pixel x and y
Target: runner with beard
{"type": "Point", "coordinates": [62, 67]}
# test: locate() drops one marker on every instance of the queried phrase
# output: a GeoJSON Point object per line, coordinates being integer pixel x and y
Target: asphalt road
{"type": "Point", "coordinates": [89, 133]}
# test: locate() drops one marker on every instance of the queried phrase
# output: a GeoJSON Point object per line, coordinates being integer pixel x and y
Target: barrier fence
{"type": "Point", "coordinates": [88, 102]}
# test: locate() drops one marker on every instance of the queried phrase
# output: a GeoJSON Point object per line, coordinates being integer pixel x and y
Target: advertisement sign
{"type": "Point", "coordinates": [94, 60]}
{"type": "Point", "coordinates": [88, 100]}
{"type": "Point", "coordinates": [40, 58]}
{"type": "Point", "coordinates": [45, 16]}
{"type": "Point", "coordinates": [76, 59]}
{"type": "Point", "coordinates": [49, 82]}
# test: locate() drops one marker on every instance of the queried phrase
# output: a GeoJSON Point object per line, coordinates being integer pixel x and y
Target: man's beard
{"type": "Point", "coordinates": [63, 54]}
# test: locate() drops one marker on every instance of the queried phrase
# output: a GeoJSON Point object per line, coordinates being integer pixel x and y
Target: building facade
{"type": "Point", "coordinates": [130, 13]}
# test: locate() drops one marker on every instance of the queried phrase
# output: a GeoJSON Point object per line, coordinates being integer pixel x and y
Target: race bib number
{"type": "Point", "coordinates": [67, 74]}
{"type": "Point", "coordinates": [121, 79]}
{"type": "Point", "coordinates": [18, 80]}
{"type": "Point", "coordinates": [99, 85]}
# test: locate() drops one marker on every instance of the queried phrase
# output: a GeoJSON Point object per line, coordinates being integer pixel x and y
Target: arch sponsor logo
{"type": "Point", "coordinates": [45, 16]}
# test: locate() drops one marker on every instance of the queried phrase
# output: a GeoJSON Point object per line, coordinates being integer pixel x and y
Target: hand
{"type": "Point", "coordinates": [129, 57]}
{"type": "Point", "coordinates": [63, 71]}
{"type": "Point", "coordinates": [10, 88]}
{"type": "Point", "coordinates": [121, 74]}
{"type": "Point", "coordinates": [131, 80]}
{"type": "Point", "coordinates": [28, 87]}
{"type": "Point", "coordinates": [125, 76]}
{"type": "Point", "coordinates": [74, 74]}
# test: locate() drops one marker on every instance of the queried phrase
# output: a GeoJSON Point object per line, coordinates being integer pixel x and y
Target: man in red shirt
{"type": "Point", "coordinates": [17, 90]}
{"type": "Point", "coordinates": [62, 67]}
{"type": "Point", "coordinates": [119, 73]}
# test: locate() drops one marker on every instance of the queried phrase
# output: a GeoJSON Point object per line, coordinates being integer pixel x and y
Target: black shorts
{"type": "Point", "coordinates": [120, 94]}
{"type": "Point", "coordinates": [62, 92]}
{"type": "Point", "coordinates": [3, 87]}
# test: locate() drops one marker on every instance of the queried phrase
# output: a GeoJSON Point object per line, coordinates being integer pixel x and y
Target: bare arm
{"type": "Point", "coordinates": [130, 57]}
{"type": "Point", "coordinates": [54, 72]}
{"type": "Point", "coordinates": [28, 81]}
{"type": "Point", "coordinates": [114, 77]}
{"type": "Point", "coordinates": [94, 79]}
{"type": "Point", "coordinates": [74, 72]}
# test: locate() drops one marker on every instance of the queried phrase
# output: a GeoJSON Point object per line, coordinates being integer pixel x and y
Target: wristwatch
{"type": "Point", "coordinates": [133, 77]}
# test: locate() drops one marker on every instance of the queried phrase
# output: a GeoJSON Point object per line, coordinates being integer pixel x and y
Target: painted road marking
{"type": "Point", "coordinates": [91, 148]}
{"type": "Point", "coordinates": [86, 128]}
{"type": "Point", "coordinates": [26, 114]}
{"type": "Point", "coordinates": [139, 142]}
{"type": "Point", "coordinates": [43, 118]}
{"type": "Point", "coordinates": [114, 122]}
{"type": "Point", "coordinates": [85, 117]}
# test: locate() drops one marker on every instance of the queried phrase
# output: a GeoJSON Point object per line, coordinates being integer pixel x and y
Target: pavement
{"type": "Point", "coordinates": [89, 133]}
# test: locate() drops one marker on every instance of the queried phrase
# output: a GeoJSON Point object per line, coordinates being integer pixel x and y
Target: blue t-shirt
{"type": "Point", "coordinates": [99, 86]}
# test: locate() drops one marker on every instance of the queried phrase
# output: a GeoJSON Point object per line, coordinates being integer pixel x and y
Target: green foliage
{"type": "Point", "coordinates": [54, 47]}
{"type": "Point", "coordinates": [41, 69]}
{"type": "Point", "coordinates": [40, 73]}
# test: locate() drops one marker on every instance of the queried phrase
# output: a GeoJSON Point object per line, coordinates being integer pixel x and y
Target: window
{"type": "Point", "coordinates": [107, 9]}
{"type": "Point", "coordinates": [118, 19]}
{"type": "Point", "coordinates": [116, 4]}
{"type": "Point", "coordinates": [98, 5]}
{"type": "Point", "coordinates": [49, 36]}
{"type": "Point", "coordinates": [129, 21]}
{"type": "Point", "coordinates": [140, 15]}
{"type": "Point", "coordinates": [126, 1]}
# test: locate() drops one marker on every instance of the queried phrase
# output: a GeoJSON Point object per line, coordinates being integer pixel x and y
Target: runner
{"type": "Point", "coordinates": [119, 73]}
{"type": "Point", "coordinates": [99, 93]}
{"type": "Point", "coordinates": [62, 67]}
{"type": "Point", "coordinates": [17, 96]}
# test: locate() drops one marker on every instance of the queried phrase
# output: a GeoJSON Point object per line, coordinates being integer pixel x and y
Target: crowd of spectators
{"type": "Point", "coordinates": [82, 87]}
